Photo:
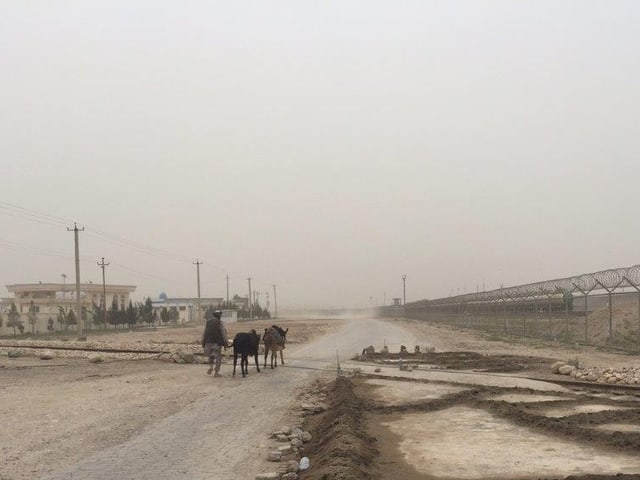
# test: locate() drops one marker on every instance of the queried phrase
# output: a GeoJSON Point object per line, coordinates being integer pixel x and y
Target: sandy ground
{"type": "Point", "coordinates": [57, 413]}
{"type": "Point", "coordinates": [146, 419]}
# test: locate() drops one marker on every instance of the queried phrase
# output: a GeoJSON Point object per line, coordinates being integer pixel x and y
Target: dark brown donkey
{"type": "Point", "coordinates": [274, 340]}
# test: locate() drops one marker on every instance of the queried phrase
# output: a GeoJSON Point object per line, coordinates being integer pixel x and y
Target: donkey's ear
{"type": "Point", "coordinates": [285, 332]}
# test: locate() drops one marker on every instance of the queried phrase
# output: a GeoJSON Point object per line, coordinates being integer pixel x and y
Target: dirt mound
{"type": "Point", "coordinates": [463, 361]}
{"type": "Point", "coordinates": [340, 449]}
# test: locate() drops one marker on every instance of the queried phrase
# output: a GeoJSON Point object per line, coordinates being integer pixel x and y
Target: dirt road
{"type": "Point", "coordinates": [153, 420]}
{"type": "Point", "coordinates": [224, 434]}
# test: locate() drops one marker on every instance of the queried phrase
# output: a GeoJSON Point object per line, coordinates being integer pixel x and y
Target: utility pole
{"type": "Point", "coordinates": [75, 231]}
{"type": "Point", "coordinates": [227, 290]}
{"type": "Point", "coordinates": [249, 298]}
{"type": "Point", "coordinates": [104, 292]}
{"type": "Point", "coordinates": [404, 294]}
{"type": "Point", "coordinates": [197, 263]}
{"type": "Point", "coordinates": [275, 300]}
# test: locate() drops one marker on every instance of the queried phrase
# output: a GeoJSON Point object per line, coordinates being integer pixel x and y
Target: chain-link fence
{"type": "Point", "coordinates": [600, 308]}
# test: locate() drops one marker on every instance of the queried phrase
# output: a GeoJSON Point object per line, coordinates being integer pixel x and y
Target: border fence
{"type": "Point", "coordinates": [593, 308]}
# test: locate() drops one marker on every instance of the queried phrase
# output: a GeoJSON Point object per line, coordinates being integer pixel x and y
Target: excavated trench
{"type": "Point", "coordinates": [377, 427]}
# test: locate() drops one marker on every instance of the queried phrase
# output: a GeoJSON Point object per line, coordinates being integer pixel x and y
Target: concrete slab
{"type": "Point", "coordinates": [396, 393]}
{"type": "Point", "coordinates": [454, 376]}
{"type": "Point", "coordinates": [464, 443]}
{"type": "Point", "coordinates": [525, 398]}
{"type": "Point", "coordinates": [562, 411]}
{"type": "Point", "coordinates": [619, 427]}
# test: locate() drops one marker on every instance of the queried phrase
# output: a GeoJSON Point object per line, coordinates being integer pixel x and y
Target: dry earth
{"type": "Point", "coordinates": [145, 419]}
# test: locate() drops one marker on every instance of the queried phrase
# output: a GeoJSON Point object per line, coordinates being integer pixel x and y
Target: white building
{"type": "Point", "coordinates": [187, 307]}
{"type": "Point", "coordinates": [48, 297]}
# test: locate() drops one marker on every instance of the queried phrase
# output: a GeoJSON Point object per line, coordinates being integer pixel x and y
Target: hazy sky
{"type": "Point", "coordinates": [327, 147]}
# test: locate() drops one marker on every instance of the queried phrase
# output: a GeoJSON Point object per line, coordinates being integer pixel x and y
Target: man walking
{"type": "Point", "coordinates": [213, 339]}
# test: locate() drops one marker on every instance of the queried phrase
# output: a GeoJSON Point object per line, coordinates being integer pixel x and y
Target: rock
{"type": "Point", "coordinates": [292, 466]}
{"type": "Point", "coordinates": [566, 369]}
{"type": "Point", "coordinates": [319, 408]}
{"type": "Point", "coordinates": [276, 433]}
{"type": "Point", "coordinates": [96, 359]}
{"type": "Point", "coordinates": [268, 476]}
{"type": "Point", "coordinates": [176, 358]}
{"type": "Point", "coordinates": [284, 449]}
{"type": "Point", "coordinates": [297, 431]}
{"type": "Point", "coordinates": [574, 373]}
{"type": "Point", "coordinates": [556, 367]}
{"type": "Point", "coordinates": [306, 437]}
{"type": "Point", "coordinates": [289, 476]}
{"type": "Point", "coordinates": [286, 430]}
{"type": "Point", "coordinates": [377, 370]}
{"type": "Point", "coordinates": [282, 438]}
{"type": "Point", "coordinates": [274, 456]}
{"type": "Point", "coordinates": [165, 357]}
{"type": "Point", "coordinates": [186, 357]}
{"type": "Point", "coordinates": [13, 353]}
{"type": "Point", "coordinates": [46, 355]}
{"type": "Point", "coordinates": [296, 442]}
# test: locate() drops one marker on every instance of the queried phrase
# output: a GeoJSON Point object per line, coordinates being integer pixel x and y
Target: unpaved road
{"type": "Point", "coordinates": [224, 434]}
{"type": "Point", "coordinates": [165, 421]}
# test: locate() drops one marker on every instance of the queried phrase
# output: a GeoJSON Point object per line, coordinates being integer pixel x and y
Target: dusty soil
{"type": "Point", "coordinates": [56, 412]}
{"type": "Point", "coordinates": [352, 440]}
{"type": "Point", "coordinates": [359, 405]}
{"type": "Point", "coordinates": [147, 419]}
{"type": "Point", "coordinates": [341, 447]}
{"type": "Point", "coordinates": [463, 361]}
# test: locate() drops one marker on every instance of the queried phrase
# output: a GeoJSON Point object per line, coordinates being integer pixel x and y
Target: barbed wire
{"type": "Point", "coordinates": [608, 280]}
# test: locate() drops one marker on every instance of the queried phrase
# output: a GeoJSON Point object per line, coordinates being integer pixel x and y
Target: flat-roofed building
{"type": "Point", "coordinates": [187, 307]}
{"type": "Point", "coordinates": [46, 298]}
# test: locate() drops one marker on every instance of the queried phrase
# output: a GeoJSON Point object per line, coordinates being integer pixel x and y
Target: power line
{"type": "Point", "coordinates": [39, 217]}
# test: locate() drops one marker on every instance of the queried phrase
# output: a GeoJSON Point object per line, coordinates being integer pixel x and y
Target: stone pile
{"type": "Point", "coordinates": [612, 376]}
{"type": "Point", "coordinates": [291, 442]}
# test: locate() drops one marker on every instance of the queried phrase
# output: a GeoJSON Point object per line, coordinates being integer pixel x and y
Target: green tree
{"type": "Point", "coordinates": [147, 311]}
{"type": "Point", "coordinates": [131, 314]}
{"type": "Point", "coordinates": [96, 314]}
{"type": "Point", "coordinates": [71, 318]}
{"type": "Point", "coordinates": [113, 314]}
{"type": "Point", "coordinates": [32, 317]}
{"type": "Point", "coordinates": [50, 326]}
{"type": "Point", "coordinates": [62, 318]}
{"type": "Point", "coordinates": [164, 315]}
{"type": "Point", "coordinates": [14, 318]}
{"type": "Point", "coordinates": [174, 315]}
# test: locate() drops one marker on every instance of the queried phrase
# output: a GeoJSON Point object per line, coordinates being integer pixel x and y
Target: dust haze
{"type": "Point", "coordinates": [326, 148]}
